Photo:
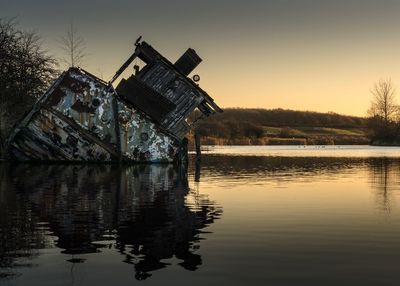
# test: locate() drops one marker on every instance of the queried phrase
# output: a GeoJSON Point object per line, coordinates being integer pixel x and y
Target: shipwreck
{"type": "Point", "coordinates": [143, 119]}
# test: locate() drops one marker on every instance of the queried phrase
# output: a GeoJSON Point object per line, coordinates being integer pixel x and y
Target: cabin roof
{"type": "Point", "coordinates": [164, 91]}
{"type": "Point", "coordinates": [148, 54]}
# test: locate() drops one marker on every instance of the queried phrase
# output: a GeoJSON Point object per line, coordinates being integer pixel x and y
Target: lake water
{"type": "Point", "coordinates": [246, 216]}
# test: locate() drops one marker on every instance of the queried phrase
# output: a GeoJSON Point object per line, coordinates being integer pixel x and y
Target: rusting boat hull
{"type": "Point", "coordinates": [83, 118]}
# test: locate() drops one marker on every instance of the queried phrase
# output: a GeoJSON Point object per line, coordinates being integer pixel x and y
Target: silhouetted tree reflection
{"type": "Point", "coordinates": [144, 209]}
{"type": "Point", "coordinates": [382, 172]}
{"type": "Point", "coordinates": [277, 168]}
{"type": "Point", "coordinates": [146, 213]}
{"type": "Point", "coordinates": [385, 179]}
{"type": "Point", "coordinates": [19, 235]}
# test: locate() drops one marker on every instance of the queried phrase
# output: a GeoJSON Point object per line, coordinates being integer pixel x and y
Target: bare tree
{"type": "Point", "coordinates": [25, 73]}
{"type": "Point", "coordinates": [384, 114]}
{"type": "Point", "coordinates": [74, 47]}
{"type": "Point", "coordinates": [383, 105]}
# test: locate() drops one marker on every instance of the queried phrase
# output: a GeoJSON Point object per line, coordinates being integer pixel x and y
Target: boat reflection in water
{"type": "Point", "coordinates": [146, 213]}
{"type": "Point", "coordinates": [286, 221]}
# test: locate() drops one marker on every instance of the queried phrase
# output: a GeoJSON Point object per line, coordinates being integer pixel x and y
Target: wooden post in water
{"type": "Point", "coordinates": [198, 144]}
{"type": "Point", "coordinates": [197, 172]}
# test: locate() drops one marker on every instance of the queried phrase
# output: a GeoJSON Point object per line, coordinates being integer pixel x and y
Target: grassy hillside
{"type": "Point", "coordinates": [277, 126]}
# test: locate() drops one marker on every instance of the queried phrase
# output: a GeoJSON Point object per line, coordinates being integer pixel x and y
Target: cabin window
{"type": "Point", "coordinates": [96, 102]}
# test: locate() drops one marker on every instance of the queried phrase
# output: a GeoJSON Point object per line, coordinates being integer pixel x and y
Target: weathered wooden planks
{"type": "Point", "coordinates": [82, 118]}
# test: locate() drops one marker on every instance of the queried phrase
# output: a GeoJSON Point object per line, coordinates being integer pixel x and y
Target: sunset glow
{"type": "Point", "coordinates": [303, 55]}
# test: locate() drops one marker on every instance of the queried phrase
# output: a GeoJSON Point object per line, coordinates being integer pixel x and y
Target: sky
{"type": "Point", "coordinates": [311, 55]}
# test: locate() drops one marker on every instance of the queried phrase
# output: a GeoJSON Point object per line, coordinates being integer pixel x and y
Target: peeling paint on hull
{"type": "Point", "coordinates": [82, 118]}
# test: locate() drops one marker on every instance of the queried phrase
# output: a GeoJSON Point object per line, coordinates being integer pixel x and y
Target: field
{"type": "Point", "coordinates": [281, 127]}
{"type": "Point", "coordinates": [296, 136]}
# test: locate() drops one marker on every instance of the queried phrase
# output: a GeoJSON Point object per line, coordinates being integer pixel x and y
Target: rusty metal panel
{"type": "Point", "coordinates": [142, 140]}
{"type": "Point", "coordinates": [47, 137]}
{"type": "Point", "coordinates": [82, 118]}
{"type": "Point", "coordinates": [88, 102]}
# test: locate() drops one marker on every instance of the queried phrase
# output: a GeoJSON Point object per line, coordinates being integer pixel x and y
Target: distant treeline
{"type": "Point", "coordinates": [280, 126]}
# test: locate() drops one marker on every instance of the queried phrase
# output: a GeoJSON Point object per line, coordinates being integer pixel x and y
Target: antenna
{"type": "Point", "coordinates": [127, 63]}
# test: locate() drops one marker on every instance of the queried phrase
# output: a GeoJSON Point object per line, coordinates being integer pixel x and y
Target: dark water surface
{"type": "Point", "coordinates": [239, 219]}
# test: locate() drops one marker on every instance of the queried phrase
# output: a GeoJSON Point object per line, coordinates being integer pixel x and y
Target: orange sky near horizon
{"type": "Point", "coordinates": [314, 55]}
